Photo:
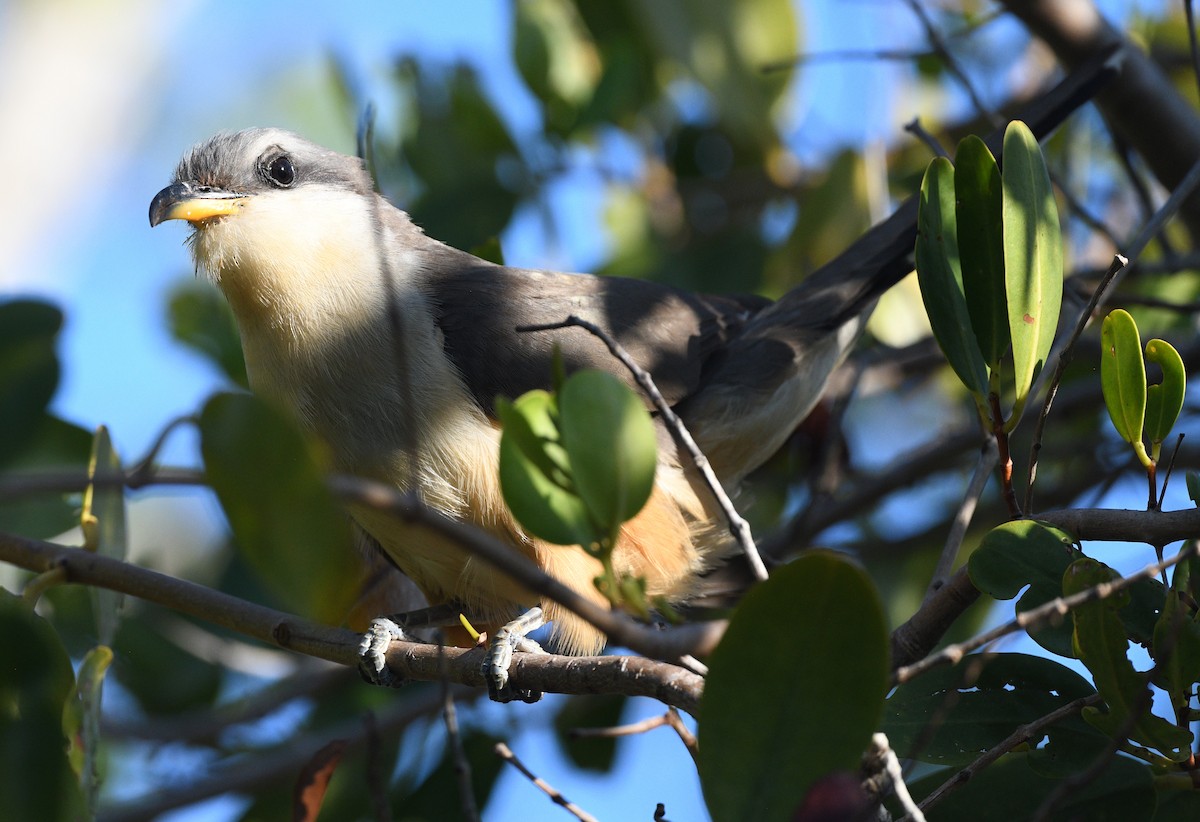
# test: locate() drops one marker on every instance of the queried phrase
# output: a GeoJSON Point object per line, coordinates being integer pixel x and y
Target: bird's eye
{"type": "Point", "coordinates": [280, 171]}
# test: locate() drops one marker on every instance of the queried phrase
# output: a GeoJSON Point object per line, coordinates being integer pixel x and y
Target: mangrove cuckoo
{"type": "Point", "coordinates": [392, 347]}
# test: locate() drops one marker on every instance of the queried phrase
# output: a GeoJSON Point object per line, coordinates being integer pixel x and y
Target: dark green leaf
{"type": "Point", "coordinates": [201, 319]}
{"type": "Point", "coordinates": [1033, 269]}
{"type": "Point", "coordinates": [938, 271]}
{"type": "Point", "coordinates": [164, 678]}
{"type": "Point", "coordinates": [28, 370]}
{"type": "Point", "coordinates": [795, 688]}
{"type": "Point", "coordinates": [53, 446]}
{"type": "Point", "coordinates": [1176, 646]}
{"type": "Point", "coordinates": [611, 444]}
{"type": "Point", "coordinates": [980, 196]}
{"type": "Point", "coordinates": [589, 711]}
{"type": "Point", "coordinates": [36, 780]}
{"type": "Point", "coordinates": [1102, 645]}
{"type": "Point", "coordinates": [1025, 552]}
{"type": "Point", "coordinates": [283, 517]}
{"type": "Point", "coordinates": [1012, 789]}
{"type": "Point", "coordinates": [950, 716]}
{"type": "Point", "coordinates": [430, 801]}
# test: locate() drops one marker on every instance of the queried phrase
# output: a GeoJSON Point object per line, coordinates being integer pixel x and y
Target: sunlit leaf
{"type": "Point", "coordinates": [1123, 378]}
{"type": "Point", "coordinates": [1164, 400]}
{"type": "Point", "coordinates": [1033, 268]}
{"type": "Point", "coordinates": [611, 444]}
{"type": "Point", "coordinates": [81, 721]}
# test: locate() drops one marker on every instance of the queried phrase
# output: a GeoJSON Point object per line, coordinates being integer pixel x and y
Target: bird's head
{"type": "Point", "coordinates": [270, 209]}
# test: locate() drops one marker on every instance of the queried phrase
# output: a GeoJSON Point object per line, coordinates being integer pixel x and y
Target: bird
{"type": "Point", "coordinates": [392, 347]}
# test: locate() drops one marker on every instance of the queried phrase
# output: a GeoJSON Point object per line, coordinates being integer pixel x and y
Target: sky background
{"type": "Point", "coordinates": [99, 100]}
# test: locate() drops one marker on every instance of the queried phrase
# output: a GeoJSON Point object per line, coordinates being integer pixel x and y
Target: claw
{"type": "Point", "coordinates": [372, 652]}
{"type": "Point", "coordinates": [510, 638]}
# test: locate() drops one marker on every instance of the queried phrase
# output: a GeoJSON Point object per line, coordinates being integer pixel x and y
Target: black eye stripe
{"type": "Point", "coordinates": [279, 171]}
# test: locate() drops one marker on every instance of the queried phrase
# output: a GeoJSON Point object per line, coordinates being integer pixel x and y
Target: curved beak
{"type": "Point", "coordinates": [187, 201]}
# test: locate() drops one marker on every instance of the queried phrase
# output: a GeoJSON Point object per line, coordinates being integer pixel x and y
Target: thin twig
{"type": "Point", "coordinates": [557, 798]}
{"type": "Point", "coordinates": [962, 518]}
{"type": "Point", "coordinates": [915, 128]}
{"type": "Point", "coordinates": [1034, 618]}
{"type": "Point", "coordinates": [1028, 732]}
{"type": "Point", "coordinates": [737, 525]}
{"type": "Point", "coordinates": [462, 768]}
{"type": "Point", "coordinates": [671, 718]}
{"type": "Point", "coordinates": [939, 46]}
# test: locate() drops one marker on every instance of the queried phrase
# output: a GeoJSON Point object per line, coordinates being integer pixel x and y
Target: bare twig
{"type": "Point", "coordinates": [671, 718]}
{"type": "Point", "coordinates": [962, 519]}
{"type": "Point", "coordinates": [462, 768]}
{"type": "Point", "coordinates": [881, 751]}
{"type": "Point", "coordinates": [505, 753]}
{"type": "Point", "coordinates": [919, 131]}
{"type": "Point", "coordinates": [737, 525]}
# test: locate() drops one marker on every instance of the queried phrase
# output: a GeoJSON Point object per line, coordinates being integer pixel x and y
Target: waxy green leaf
{"type": "Point", "coordinates": [980, 196]}
{"type": "Point", "coordinates": [1123, 378]}
{"type": "Point", "coordinates": [1033, 268]}
{"type": "Point", "coordinates": [940, 276]}
{"type": "Point", "coordinates": [1164, 400]}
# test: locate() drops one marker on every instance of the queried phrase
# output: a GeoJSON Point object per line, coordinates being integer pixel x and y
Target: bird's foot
{"type": "Point", "coordinates": [372, 652]}
{"type": "Point", "coordinates": [512, 637]}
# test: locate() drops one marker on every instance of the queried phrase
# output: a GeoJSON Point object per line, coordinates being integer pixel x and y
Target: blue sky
{"type": "Point", "coordinates": [120, 92]}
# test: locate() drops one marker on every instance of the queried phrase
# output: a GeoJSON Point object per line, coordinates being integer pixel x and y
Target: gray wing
{"type": "Point", "coordinates": [671, 333]}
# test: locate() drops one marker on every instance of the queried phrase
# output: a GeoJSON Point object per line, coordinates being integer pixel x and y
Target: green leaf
{"type": "Point", "coordinates": [1164, 400]}
{"type": "Point", "coordinates": [163, 677]}
{"type": "Point", "coordinates": [611, 444]}
{"type": "Point", "coordinates": [53, 446]}
{"type": "Point", "coordinates": [1176, 646]}
{"type": "Point", "coordinates": [1123, 378]}
{"type": "Point", "coordinates": [81, 721]}
{"type": "Point", "coordinates": [36, 780]}
{"type": "Point", "coordinates": [201, 319]}
{"type": "Point", "coordinates": [1193, 486]}
{"type": "Point", "coordinates": [535, 475]}
{"type": "Point", "coordinates": [980, 197]}
{"type": "Point", "coordinates": [795, 689]}
{"type": "Point", "coordinates": [283, 518]}
{"type": "Point", "coordinates": [940, 277]}
{"type": "Point", "coordinates": [950, 716]}
{"type": "Point", "coordinates": [1103, 646]}
{"type": "Point", "coordinates": [1033, 269]}
{"type": "Point", "coordinates": [1013, 789]}
{"type": "Point", "coordinates": [103, 523]}
{"type": "Point", "coordinates": [1026, 553]}
{"type": "Point", "coordinates": [28, 370]}
{"type": "Point", "coordinates": [589, 711]}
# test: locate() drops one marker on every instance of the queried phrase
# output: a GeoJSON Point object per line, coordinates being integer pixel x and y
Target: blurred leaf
{"type": "Point", "coordinates": [36, 780]}
{"type": "Point", "coordinates": [313, 781]}
{"type": "Point", "coordinates": [534, 474]}
{"type": "Point", "coordinates": [431, 799]}
{"type": "Point", "coordinates": [556, 58]}
{"type": "Point", "coordinates": [103, 523]}
{"type": "Point", "coordinates": [1176, 647]}
{"type": "Point", "coordinates": [1012, 789]}
{"type": "Point", "coordinates": [795, 688]}
{"type": "Point", "coordinates": [164, 678]}
{"type": "Point", "coordinates": [1033, 268]}
{"type": "Point", "coordinates": [941, 278]}
{"type": "Point", "coordinates": [52, 446]}
{"type": "Point", "coordinates": [1123, 378]}
{"type": "Point", "coordinates": [1193, 486]}
{"type": "Point", "coordinates": [1103, 646]}
{"type": "Point", "coordinates": [28, 370]}
{"type": "Point", "coordinates": [950, 716]}
{"type": "Point", "coordinates": [201, 319]}
{"type": "Point", "coordinates": [283, 518]}
{"type": "Point", "coordinates": [611, 444]}
{"type": "Point", "coordinates": [589, 711]}
{"type": "Point", "coordinates": [1164, 400]}
{"type": "Point", "coordinates": [1025, 552]}
{"type": "Point", "coordinates": [81, 722]}
{"type": "Point", "coordinates": [980, 205]}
